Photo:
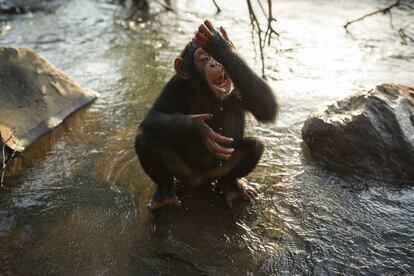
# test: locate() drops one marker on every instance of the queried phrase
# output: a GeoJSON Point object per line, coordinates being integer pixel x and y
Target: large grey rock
{"type": "Point", "coordinates": [371, 132]}
{"type": "Point", "coordinates": [35, 96]}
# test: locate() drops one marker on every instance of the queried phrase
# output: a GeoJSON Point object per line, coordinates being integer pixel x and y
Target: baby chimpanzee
{"type": "Point", "coordinates": [194, 132]}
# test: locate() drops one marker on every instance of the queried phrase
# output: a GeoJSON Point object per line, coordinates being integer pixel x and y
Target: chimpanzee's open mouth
{"type": "Point", "coordinates": [223, 83]}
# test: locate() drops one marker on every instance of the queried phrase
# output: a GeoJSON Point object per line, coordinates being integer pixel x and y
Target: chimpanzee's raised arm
{"type": "Point", "coordinates": [257, 96]}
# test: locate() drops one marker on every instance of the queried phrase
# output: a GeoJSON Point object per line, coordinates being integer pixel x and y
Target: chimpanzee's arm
{"type": "Point", "coordinates": [256, 95]}
{"type": "Point", "coordinates": [166, 122]}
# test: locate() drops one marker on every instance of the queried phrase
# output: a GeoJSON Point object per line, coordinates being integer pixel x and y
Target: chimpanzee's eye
{"type": "Point", "coordinates": [205, 59]}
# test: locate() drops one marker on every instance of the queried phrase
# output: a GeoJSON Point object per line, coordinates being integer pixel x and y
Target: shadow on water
{"type": "Point", "coordinates": [76, 202]}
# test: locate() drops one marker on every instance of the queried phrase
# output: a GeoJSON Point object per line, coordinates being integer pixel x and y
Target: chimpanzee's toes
{"type": "Point", "coordinates": [229, 197]}
{"type": "Point", "coordinates": [244, 192]}
{"type": "Point", "coordinates": [251, 192]}
{"type": "Point", "coordinates": [155, 203]}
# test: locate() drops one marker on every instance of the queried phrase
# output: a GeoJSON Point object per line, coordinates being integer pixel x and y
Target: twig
{"type": "Point", "coordinates": [217, 6]}
{"type": "Point", "coordinates": [403, 35]}
{"type": "Point", "coordinates": [261, 7]}
{"type": "Point", "coordinates": [407, 5]}
{"type": "Point", "coordinates": [254, 21]}
{"type": "Point", "coordinates": [270, 19]}
{"type": "Point", "coordinates": [255, 24]}
{"type": "Point", "coordinates": [164, 5]}
{"type": "Point", "coordinates": [253, 40]}
{"type": "Point", "coordinates": [391, 20]}
{"type": "Point", "coordinates": [383, 10]}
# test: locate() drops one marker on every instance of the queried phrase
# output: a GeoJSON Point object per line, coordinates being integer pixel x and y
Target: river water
{"type": "Point", "coordinates": [75, 200]}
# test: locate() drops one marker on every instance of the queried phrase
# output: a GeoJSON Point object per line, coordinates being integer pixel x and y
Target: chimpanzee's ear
{"type": "Point", "coordinates": [178, 66]}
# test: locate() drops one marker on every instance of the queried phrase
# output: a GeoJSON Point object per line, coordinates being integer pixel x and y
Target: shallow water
{"type": "Point", "coordinates": [75, 202]}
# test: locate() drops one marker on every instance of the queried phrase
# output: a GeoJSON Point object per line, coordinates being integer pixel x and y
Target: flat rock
{"type": "Point", "coordinates": [35, 97]}
{"type": "Point", "coordinates": [369, 133]}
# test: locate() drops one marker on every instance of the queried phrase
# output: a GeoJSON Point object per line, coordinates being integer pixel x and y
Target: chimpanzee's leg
{"type": "Point", "coordinates": [248, 153]}
{"type": "Point", "coordinates": [151, 158]}
{"type": "Point", "coordinates": [245, 159]}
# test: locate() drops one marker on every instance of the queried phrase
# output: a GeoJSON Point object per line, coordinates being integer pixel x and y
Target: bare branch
{"type": "Point", "coordinates": [166, 5]}
{"type": "Point", "coordinates": [262, 8]}
{"type": "Point", "coordinates": [263, 36]}
{"type": "Point", "coordinates": [256, 25]}
{"type": "Point", "coordinates": [383, 10]}
{"type": "Point", "coordinates": [407, 5]}
{"type": "Point", "coordinates": [403, 34]}
{"type": "Point", "coordinates": [391, 20]}
{"type": "Point", "coordinates": [217, 6]}
{"type": "Point", "coordinates": [270, 19]}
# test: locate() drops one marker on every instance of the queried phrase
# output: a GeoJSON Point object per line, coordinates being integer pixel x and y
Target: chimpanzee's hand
{"type": "Point", "coordinates": [211, 40]}
{"type": "Point", "coordinates": [212, 139]}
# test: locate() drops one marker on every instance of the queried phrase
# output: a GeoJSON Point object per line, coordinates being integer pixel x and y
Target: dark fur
{"type": "Point", "coordinates": [170, 143]}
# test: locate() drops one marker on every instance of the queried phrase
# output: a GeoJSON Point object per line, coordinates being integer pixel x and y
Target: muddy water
{"type": "Point", "coordinates": [75, 202]}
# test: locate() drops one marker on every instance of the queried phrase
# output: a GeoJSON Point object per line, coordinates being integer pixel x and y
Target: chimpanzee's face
{"type": "Point", "coordinates": [217, 79]}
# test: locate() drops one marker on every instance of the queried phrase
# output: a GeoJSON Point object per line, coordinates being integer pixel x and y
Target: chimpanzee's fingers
{"type": "Point", "coordinates": [201, 117]}
{"type": "Point", "coordinates": [226, 36]}
{"type": "Point", "coordinates": [252, 194]}
{"type": "Point", "coordinates": [220, 138]}
{"type": "Point", "coordinates": [209, 25]}
{"type": "Point", "coordinates": [218, 155]}
{"type": "Point", "coordinates": [199, 43]}
{"type": "Point", "coordinates": [211, 147]}
{"type": "Point", "coordinates": [204, 30]}
{"type": "Point", "coordinates": [217, 149]}
{"type": "Point", "coordinates": [201, 37]}
{"type": "Point", "coordinates": [246, 196]}
{"type": "Point", "coordinates": [224, 33]}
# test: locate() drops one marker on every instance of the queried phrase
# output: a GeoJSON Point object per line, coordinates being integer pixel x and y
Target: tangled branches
{"type": "Point", "coordinates": [383, 10]}
{"type": "Point", "coordinates": [263, 36]}
{"type": "Point", "coordinates": [403, 34]}
{"type": "Point", "coordinates": [388, 10]}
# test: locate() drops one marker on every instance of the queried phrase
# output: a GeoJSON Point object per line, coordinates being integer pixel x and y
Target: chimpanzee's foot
{"type": "Point", "coordinates": [158, 202]}
{"type": "Point", "coordinates": [237, 190]}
